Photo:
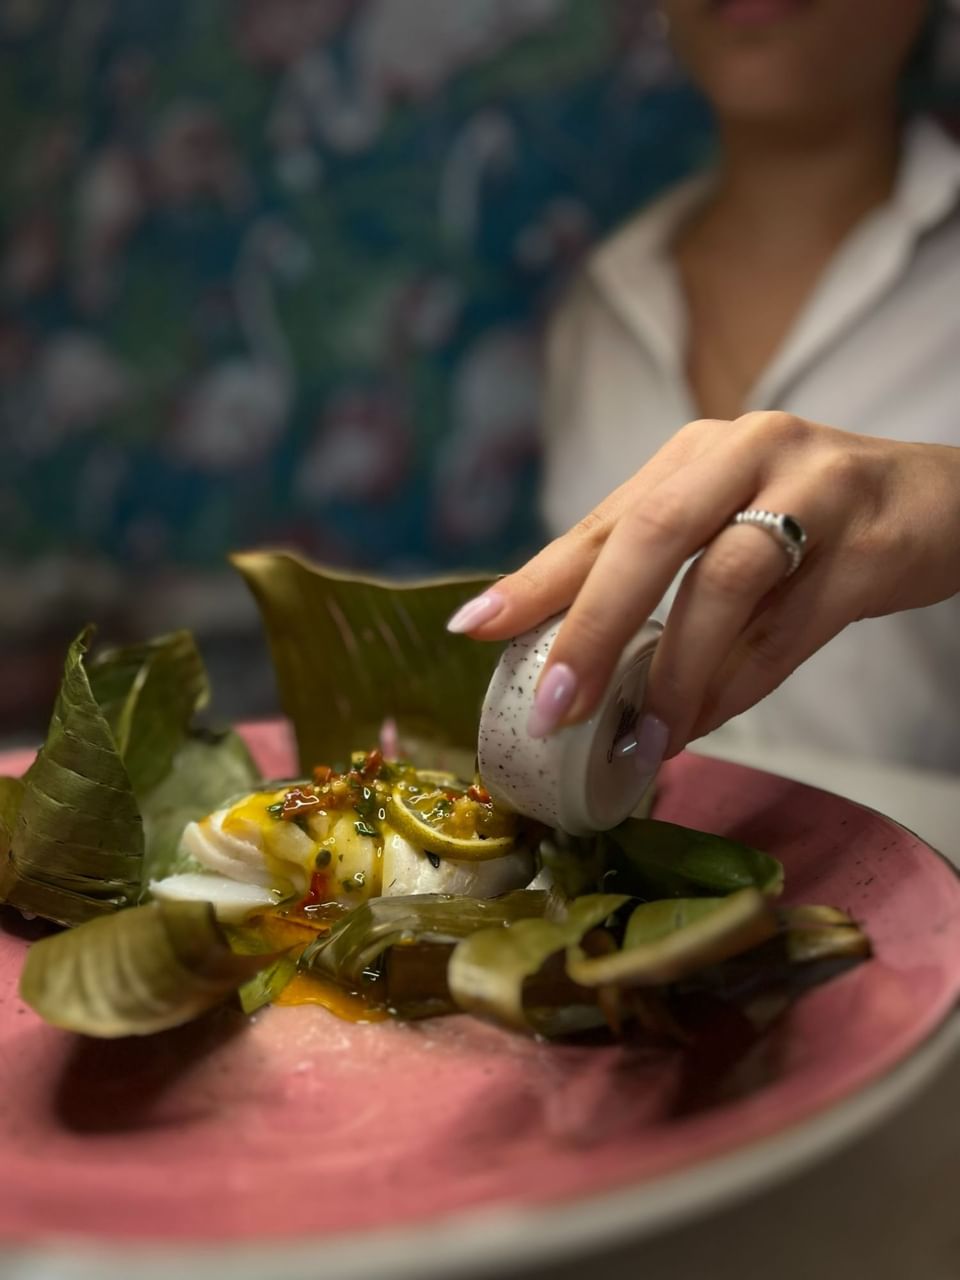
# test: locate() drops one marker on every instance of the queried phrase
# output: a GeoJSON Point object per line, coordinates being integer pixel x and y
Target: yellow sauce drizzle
{"type": "Point", "coordinates": [307, 988]}
{"type": "Point", "coordinates": [253, 810]}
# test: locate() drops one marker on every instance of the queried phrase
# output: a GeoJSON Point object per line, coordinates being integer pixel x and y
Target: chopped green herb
{"type": "Point", "coordinates": [322, 859]}
{"type": "Point", "coordinates": [354, 882]}
{"type": "Point", "coordinates": [275, 810]}
{"type": "Point", "coordinates": [368, 805]}
{"type": "Point", "coordinates": [364, 829]}
{"type": "Point", "coordinates": [433, 859]}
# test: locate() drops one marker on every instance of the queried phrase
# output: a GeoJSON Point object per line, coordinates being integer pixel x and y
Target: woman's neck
{"type": "Point", "coordinates": [750, 258]}
{"type": "Point", "coordinates": [809, 187]}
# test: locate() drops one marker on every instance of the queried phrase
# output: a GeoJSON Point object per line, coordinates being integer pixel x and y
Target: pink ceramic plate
{"type": "Point", "coordinates": [295, 1125]}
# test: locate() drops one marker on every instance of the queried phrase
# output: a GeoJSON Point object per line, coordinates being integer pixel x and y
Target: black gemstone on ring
{"type": "Point", "coordinates": [792, 529]}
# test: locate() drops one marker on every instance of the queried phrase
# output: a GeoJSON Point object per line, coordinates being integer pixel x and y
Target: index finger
{"type": "Point", "coordinates": [548, 583]}
{"type": "Point", "coordinates": [649, 544]}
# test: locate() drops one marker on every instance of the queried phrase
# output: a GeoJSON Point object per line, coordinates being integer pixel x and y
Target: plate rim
{"type": "Point", "coordinates": [496, 1238]}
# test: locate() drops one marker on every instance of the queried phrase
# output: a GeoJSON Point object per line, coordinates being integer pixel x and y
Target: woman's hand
{"type": "Point", "coordinates": [883, 534]}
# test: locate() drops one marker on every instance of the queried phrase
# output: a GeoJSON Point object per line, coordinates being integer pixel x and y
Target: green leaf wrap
{"type": "Point", "coordinates": [101, 810]}
{"type": "Point", "coordinates": [77, 841]}
{"type": "Point", "coordinates": [207, 770]}
{"type": "Point", "coordinates": [667, 941]}
{"type": "Point", "coordinates": [350, 651]}
{"type": "Point", "coordinates": [655, 859]}
{"type": "Point", "coordinates": [357, 943]}
{"type": "Point", "coordinates": [487, 971]}
{"type": "Point", "coordinates": [135, 972]}
{"type": "Point", "coordinates": [148, 694]}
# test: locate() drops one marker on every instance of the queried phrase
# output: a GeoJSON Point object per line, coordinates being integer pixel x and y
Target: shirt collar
{"type": "Point", "coordinates": [928, 186]}
{"type": "Point", "coordinates": [634, 272]}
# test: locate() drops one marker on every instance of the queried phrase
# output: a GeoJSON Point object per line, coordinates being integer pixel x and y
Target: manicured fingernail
{"type": "Point", "coordinates": [475, 612]}
{"type": "Point", "coordinates": [552, 701]}
{"type": "Point", "coordinates": [646, 745]}
{"type": "Point", "coordinates": [652, 738]}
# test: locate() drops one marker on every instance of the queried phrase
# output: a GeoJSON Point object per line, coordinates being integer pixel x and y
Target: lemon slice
{"type": "Point", "coordinates": [415, 816]}
{"type": "Point", "coordinates": [440, 778]}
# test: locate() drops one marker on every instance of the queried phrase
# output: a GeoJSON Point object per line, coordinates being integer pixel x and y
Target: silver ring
{"type": "Point", "coordinates": [785, 530]}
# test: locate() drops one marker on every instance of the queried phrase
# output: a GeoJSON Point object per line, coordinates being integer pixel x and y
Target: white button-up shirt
{"type": "Point", "coordinates": [875, 350]}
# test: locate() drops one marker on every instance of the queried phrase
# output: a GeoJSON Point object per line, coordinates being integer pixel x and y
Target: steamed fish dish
{"type": "Point", "coordinates": [176, 877]}
{"type": "Point", "coordinates": [378, 829]}
{"type": "Point", "coordinates": [383, 890]}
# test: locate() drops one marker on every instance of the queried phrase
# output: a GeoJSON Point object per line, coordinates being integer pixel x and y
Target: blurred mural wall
{"type": "Point", "coordinates": [274, 272]}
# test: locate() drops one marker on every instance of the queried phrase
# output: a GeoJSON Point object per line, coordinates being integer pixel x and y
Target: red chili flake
{"type": "Point", "coordinates": [317, 893]}
{"type": "Point", "coordinates": [338, 795]}
{"type": "Point", "coordinates": [298, 802]}
{"type": "Point", "coordinates": [372, 765]}
{"type": "Point", "coordinates": [480, 794]}
{"type": "Point", "coordinates": [322, 773]}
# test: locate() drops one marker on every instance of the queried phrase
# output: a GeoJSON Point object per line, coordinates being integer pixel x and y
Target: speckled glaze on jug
{"type": "Point", "coordinates": [577, 779]}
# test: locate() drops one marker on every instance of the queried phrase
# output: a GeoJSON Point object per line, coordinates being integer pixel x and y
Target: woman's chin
{"type": "Point", "coordinates": [767, 95]}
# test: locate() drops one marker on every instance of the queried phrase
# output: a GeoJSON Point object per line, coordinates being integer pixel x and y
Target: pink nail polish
{"type": "Point", "coordinates": [652, 738]}
{"type": "Point", "coordinates": [475, 612]}
{"type": "Point", "coordinates": [553, 699]}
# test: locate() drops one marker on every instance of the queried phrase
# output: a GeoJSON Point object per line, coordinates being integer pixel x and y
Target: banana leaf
{"type": "Point", "coordinates": [76, 847]}
{"type": "Point", "coordinates": [11, 798]}
{"type": "Point", "coordinates": [264, 987]}
{"type": "Point", "coordinates": [574, 864]}
{"type": "Point", "coordinates": [148, 694]}
{"type": "Point", "coordinates": [356, 944]}
{"type": "Point", "coordinates": [136, 972]}
{"type": "Point", "coordinates": [101, 810]}
{"type": "Point", "coordinates": [250, 939]}
{"type": "Point", "coordinates": [651, 921]}
{"type": "Point", "coordinates": [667, 941]}
{"type": "Point", "coordinates": [208, 770]}
{"type": "Point", "coordinates": [415, 976]}
{"type": "Point", "coordinates": [487, 971]}
{"type": "Point", "coordinates": [349, 652]}
{"type": "Point", "coordinates": [822, 933]}
{"type": "Point", "coordinates": [813, 944]}
{"type": "Point", "coordinates": [652, 859]}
